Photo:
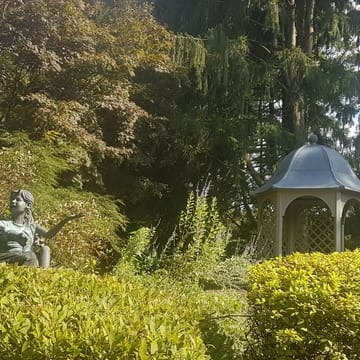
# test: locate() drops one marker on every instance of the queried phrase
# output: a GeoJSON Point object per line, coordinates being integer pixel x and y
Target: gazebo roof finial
{"type": "Point", "coordinates": [313, 139]}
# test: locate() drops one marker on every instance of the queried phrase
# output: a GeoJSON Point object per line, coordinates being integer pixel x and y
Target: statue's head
{"type": "Point", "coordinates": [27, 196]}
{"type": "Point", "coordinates": [17, 208]}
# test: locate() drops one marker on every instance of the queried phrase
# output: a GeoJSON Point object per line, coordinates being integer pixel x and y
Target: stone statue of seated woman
{"type": "Point", "coordinates": [18, 235]}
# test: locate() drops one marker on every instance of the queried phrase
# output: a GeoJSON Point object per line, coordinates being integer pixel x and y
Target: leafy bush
{"type": "Point", "coordinates": [306, 306]}
{"type": "Point", "coordinates": [222, 322]}
{"type": "Point", "coordinates": [62, 314]}
{"type": "Point", "coordinates": [77, 64]}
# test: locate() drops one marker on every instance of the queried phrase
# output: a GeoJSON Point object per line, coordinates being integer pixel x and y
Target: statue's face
{"type": "Point", "coordinates": [17, 204]}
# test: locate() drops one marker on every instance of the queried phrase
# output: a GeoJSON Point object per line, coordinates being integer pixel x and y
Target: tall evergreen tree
{"type": "Point", "coordinates": [266, 74]}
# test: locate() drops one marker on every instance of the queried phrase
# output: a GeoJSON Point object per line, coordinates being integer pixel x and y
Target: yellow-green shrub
{"type": "Point", "coordinates": [64, 314]}
{"type": "Point", "coordinates": [306, 306]}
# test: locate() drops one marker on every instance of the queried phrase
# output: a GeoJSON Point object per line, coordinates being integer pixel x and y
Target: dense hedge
{"type": "Point", "coordinates": [62, 314]}
{"type": "Point", "coordinates": [306, 306]}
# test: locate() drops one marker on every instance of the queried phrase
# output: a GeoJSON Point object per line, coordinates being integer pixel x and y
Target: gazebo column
{"type": "Point", "coordinates": [279, 226]}
{"type": "Point", "coordinates": [279, 235]}
{"type": "Point", "coordinates": [339, 205]}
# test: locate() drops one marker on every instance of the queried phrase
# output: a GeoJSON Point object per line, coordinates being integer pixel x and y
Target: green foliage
{"type": "Point", "coordinates": [13, 171]}
{"type": "Point", "coordinates": [294, 69]}
{"type": "Point", "coordinates": [195, 247]}
{"type": "Point", "coordinates": [62, 314]}
{"type": "Point", "coordinates": [99, 75]}
{"type": "Point", "coordinates": [295, 64]}
{"type": "Point", "coordinates": [53, 175]}
{"type": "Point", "coordinates": [198, 241]}
{"type": "Point", "coordinates": [138, 242]}
{"type": "Point", "coordinates": [190, 52]}
{"type": "Point", "coordinates": [194, 252]}
{"type": "Point", "coordinates": [136, 254]}
{"type": "Point", "coordinates": [232, 273]}
{"type": "Point", "coordinates": [305, 306]}
{"type": "Point", "coordinates": [222, 324]}
{"type": "Point", "coordinates": [225, 335]}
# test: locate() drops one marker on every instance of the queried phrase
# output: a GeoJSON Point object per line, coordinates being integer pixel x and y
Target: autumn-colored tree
{"type": "Point", "coordinates": [67, 70]}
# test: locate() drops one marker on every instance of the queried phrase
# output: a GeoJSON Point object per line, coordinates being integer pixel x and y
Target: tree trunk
{"type": "Point", "coordinates": [293, 115]}
{"type": "Point", "coordinates": [293, 94]}
{"type": "Point", "coordinates": [308, 44]}
{"type": "Point", "coordinates": [291, 33]}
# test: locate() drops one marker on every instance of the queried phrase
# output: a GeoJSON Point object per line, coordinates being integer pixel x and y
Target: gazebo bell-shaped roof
{"type": "Point", "coordinates": [312, 166]}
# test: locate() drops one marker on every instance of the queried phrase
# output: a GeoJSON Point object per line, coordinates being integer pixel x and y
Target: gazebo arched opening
{"type": "Point", "coordinates": [308, 226]}
{"type": "Point", "coordinates": [350, 221]}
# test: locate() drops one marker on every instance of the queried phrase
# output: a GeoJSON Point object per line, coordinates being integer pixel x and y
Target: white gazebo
{"type": "Point", "coordinates": [304, 205]}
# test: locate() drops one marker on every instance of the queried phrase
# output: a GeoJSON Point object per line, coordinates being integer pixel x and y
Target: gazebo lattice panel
{"type": "Point", "coordinates": [315, 231]}
{"type": "Point", "coordinates": [266, 237]}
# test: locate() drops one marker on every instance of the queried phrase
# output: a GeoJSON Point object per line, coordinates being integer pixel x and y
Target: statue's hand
{"type": "Point", "coordinates": [75, 216]}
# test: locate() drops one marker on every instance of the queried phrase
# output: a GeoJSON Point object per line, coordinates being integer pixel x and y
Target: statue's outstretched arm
{"type": "Point", "coordinates": [47, 234]}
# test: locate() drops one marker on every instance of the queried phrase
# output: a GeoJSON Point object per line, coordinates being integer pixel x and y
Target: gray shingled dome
{"type": "Point", "coordinates": [312, 166]}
